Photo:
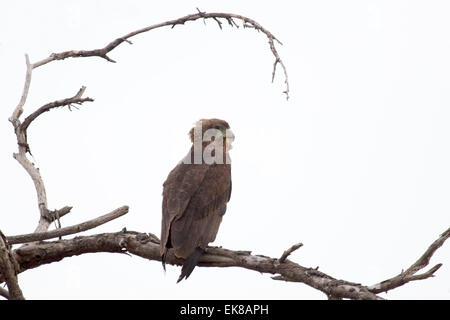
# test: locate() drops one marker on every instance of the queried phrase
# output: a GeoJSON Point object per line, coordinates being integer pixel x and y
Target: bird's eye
{"type": "Point", "coordinates": [221, 128]}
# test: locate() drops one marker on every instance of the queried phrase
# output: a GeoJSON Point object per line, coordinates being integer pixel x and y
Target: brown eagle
{"type": "Point", "coordinates": [195, 194]}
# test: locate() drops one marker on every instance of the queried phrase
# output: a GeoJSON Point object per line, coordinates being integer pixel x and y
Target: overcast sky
{"type": "Point", "coordinates": [356, 165]}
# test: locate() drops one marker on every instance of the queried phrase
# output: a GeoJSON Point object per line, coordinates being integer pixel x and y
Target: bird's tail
{"type": "Point", "coordinates": [163, 259]}
{"type": "Point", "coordinates": [190, 263]}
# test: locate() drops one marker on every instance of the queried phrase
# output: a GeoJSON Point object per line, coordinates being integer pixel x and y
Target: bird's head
{"type": "Point", "coordinates": [208, 130]}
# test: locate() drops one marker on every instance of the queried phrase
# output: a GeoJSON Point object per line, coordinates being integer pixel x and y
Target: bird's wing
{"type": "Point", "coordinates": [181, 184]}
{"type": "Point", "coordinates": [199, 223]}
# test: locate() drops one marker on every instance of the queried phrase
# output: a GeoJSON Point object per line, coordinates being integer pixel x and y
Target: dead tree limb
{"type": "Point", "coordinates": [229, 17]}
{"type": "Point", "coordinates": [20, 129]}
{"type": "Point", "coordinates": [147, 246]}
{"type": "Point", "coordinates": [410, 273]}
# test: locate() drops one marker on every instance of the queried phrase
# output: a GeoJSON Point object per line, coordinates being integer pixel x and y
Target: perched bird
{"type": "Point", "coordinates": [195, 194]}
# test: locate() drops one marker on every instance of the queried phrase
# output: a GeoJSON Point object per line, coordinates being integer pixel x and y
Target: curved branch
{"type": "Point", "coordinates": [410, 273]}
{"type": "Point", "coordinates": [19, 109]}
{"type": "Point", "coordinates": [229, 17]}
{"type": "Point", "coordinates": [76, 99]}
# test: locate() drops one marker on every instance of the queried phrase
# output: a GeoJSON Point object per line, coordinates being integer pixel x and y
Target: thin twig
{"type": "Point", "coordinates": [55, 215]}
{"type": "Point", "coordinates": [69, 230]}
{"type": "Point", "coordinates": [279, 61]}
{"type": "Point", "coordinates": [218, 22]}
{"type": "Point", "coordinates": [76, 99]}
{"type": "Point", "coordinates": [289, 251]}
{"type": "Point", "coordinates": [232, 23]}
{"type": "Point", "coordinates": [410, 273]}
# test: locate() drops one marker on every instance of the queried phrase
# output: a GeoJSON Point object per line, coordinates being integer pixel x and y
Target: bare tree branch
{"type": "Point", "coordinates": [20, 129]}
{"type": "Point", "coordinates": [247, 23]}
{"type": "Point", "coordinates": [410, 273]}
{"type": "Point", "coordinates": [19, 109]}
{"type": "Point", "coordinates": [9, 269]}
{"type": "Point", "coordinates": [69, 230]}
{"type": "Point", "coordinates": [76, 99]}
{"type": "Point", "coordinates": [289, 251]}
{"type": "Point", "coordinates": [147, 246]}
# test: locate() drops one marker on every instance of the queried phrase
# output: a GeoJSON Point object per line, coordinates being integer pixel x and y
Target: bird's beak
{"type": "Point", "coordinates": [229, 138]}
{"type": "Point", "coordinates": [229, 135]}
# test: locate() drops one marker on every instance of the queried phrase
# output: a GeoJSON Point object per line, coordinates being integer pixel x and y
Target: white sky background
{"type": "Point", "coordinates": [355, 165]}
